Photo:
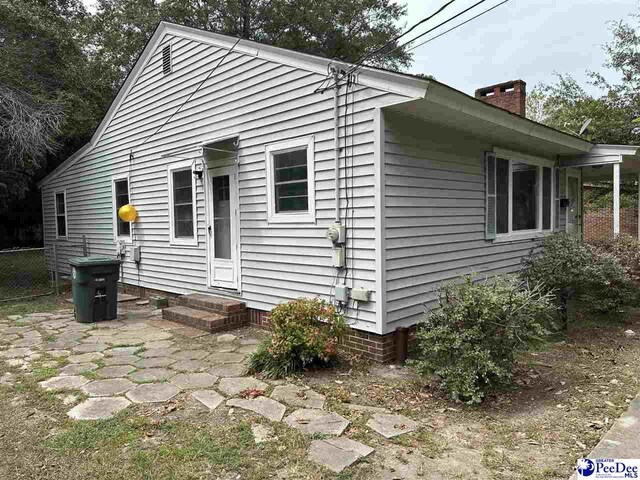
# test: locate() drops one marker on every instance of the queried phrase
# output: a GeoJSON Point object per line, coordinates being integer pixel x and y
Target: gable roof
{"type": "Point", "coordinates": [404, 84]}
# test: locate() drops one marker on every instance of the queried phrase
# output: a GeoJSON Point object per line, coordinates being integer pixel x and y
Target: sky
{"type": "Point", "coordinates": [522, 39]}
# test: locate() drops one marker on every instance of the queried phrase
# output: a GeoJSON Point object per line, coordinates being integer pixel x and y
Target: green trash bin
{"type": "Point", "coordinates": [94, 282]}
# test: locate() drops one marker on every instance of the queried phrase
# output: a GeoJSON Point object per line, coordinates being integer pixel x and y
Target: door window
{"type": "Point", "coordinates": [221, 217]}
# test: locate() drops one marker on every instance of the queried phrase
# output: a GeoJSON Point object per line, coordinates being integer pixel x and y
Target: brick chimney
{"type": "Point", "coordinates": [510, 96]}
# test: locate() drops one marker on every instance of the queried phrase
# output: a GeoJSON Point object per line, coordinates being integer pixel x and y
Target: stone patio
{"type": "Point", "coordinates": [141, 360]}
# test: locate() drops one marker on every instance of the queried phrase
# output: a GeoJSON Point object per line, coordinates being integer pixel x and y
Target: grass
{"type": "Point", "coordinates": [48, 303]}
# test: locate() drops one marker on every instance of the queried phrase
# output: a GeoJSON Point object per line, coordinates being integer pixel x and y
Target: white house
{"type": "Point", "coordinates": [233, 154]}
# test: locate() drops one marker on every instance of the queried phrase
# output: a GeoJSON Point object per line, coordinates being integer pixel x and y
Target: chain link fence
{"type": "Point", "coordinates": [33, 272]}
{"type": "Point", "coordinates": [24, 273]}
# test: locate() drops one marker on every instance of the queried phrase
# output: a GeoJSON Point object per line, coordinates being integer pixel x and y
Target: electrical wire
{"type": "Point", "coordinates": [457, 26]}
{"type": "Point", "coordinates": [357, 66]}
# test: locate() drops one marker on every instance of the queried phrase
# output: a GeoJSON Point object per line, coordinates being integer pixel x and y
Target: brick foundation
{"type": "Point", "coordinates": [598, 224]}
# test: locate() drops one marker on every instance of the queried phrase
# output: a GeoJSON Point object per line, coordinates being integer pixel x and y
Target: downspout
{"type": "Point", "coordinates": [336, 140]}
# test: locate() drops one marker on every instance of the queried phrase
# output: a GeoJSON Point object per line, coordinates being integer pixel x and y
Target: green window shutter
{"type": "Point", "coordinates": [490, 210]}
{"type": "Point", "coordinates": [560, 192]}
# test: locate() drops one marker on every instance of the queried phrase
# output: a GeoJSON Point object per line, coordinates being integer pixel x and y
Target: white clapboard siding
{"type": "Point", "coordinates": [262, 102]}
{"type": "Point", "coordinates": [435, 216]}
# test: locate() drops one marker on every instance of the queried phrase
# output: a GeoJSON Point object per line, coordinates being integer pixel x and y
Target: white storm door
{"type": "Point", "coordinates": [222, 228]}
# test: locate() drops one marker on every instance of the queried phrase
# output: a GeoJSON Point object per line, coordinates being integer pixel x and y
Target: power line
{"type": "Point", "coordinates": [438, 26]}
{"type": "Point", "coordinates": [378, 50]}
{"type": "Point", "coordinates": [457, 26]}
{"type": "Point", "coordinates": [356, 67]}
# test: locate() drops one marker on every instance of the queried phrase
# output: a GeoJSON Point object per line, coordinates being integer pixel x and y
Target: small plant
{"type": "Point", "coordinates": [565, 265]}
{"type": "Point", "coordinates": [471, 340]}
{"type": "Point", "coordinates": [305, 332]}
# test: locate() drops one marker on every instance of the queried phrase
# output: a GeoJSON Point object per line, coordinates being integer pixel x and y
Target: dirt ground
{"type": "Point", "coordinates": [568, 394]}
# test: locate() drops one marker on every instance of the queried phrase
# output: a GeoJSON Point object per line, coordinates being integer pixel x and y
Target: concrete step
{"type": "Point", "coordinates": [200, 319]}
{"type": "Point", "coordinates": [212, 303]}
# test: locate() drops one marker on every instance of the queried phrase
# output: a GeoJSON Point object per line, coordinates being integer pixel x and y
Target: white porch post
{"type": "Point", "coordinates": [616, 199]}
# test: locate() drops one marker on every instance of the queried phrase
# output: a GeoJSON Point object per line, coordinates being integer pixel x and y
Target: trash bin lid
{"type": "Point", "coordinates": [91, 261]}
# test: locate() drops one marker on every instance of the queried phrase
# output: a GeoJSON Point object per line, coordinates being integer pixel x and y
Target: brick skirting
{"type": "Point", "coordinates": [598, 224]}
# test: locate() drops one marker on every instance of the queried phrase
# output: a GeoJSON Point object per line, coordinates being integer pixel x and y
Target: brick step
{"type": "Point", "coordinates": [200, 319]}
{"type": "Point", "coordinates": [212, 303]}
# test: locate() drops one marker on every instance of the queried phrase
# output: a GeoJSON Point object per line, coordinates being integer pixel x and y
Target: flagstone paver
{"type": "Point", "coordinates": [190, 354]}
{"type": "Point", "coordinates": [312, 421]}
{"type": "Point", "coordinates": [264, 406]}
{"type": "Point", "coordinates": [90, 347]}
{"type": "Point", "coordinates": [108, 388]}
{"type": "Point", "coordinates": [209, 398]}
{"type": "Point", "coordinates": [338, 453]}
{"type": "Point", "coordinates": [117, 351]}
{"type": "Point", "coordinates": [390, 425]}
{"type": "Point", "coordinates": [98, 408]}
{"type": "Point", "coordinates": [233, 386]}
{"type": "Point", "coordinates": [298, 396]}
{"type": "Point", "coordinates": [63, 382]}
{"type": "Point", "coordinates": [152, 393]}
{"type": "Point", "coordinates": [187, 381]}
{"type": "Point", "coordinates": [151, 375]}
{"type": "Point", "coordinates": [16, 353]}
{"type": "Point", "coordinates": [120, 360]}
{"type": "Point", "coordinates": [224, 357]}
{"type": "Point", "coordinates": [159, 344]}
{"type": "Point", "coordinates": [247, 349]}
{"type": "Point", "coordinates": [115, 371]}
{"type": "Point", "coordinates": [188, 366]}
{"type": "Point", "coordinates": [78, 368]}
{"type": "Point", "coordinates": [228, 370]}
{"type": "Point", "coordinates": [226, 338]}
{"type": "Point", "coordinates": [157, 352]}
{"type": "Point", "coordinates": [154, 362]}
{"type": "Point", "coordinates": [85, 357]}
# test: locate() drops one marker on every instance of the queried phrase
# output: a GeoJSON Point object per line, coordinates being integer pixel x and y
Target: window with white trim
{"type": "Point", "coordinates": [519, 196]}
{"type": "Point", "coordinates": [290, 181]}
{"type": "Point", "coordinates": [61, 214]}
{"type": "Point", "coordinates": [120, 192]}
{"type": "Point", "coordinates": [182, 207]}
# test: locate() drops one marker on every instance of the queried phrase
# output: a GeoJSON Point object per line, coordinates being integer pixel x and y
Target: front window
{"type": "Point", "coordinates": [523, 197]}
{"type": "Point", "coordinates": [61, 215]}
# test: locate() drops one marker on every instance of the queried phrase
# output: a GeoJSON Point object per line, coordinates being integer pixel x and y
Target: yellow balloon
{"type": "Point", "coordinates": [128, 213]}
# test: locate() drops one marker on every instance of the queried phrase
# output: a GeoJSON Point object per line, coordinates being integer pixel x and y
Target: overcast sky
{"type": "Point", "coordinates": [522, 39]}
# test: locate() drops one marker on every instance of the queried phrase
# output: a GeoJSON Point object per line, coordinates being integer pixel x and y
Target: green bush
{"type": "Point", "coordinates": [595, 278]}
{"type": "Point", "coordinates": [471, 340]}
{"type": "Point", "coordinates": [305, 332]}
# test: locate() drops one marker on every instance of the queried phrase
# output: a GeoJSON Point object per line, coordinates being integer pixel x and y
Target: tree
{"type": "Point", "coordinates": [565, 105]}
{"type": "Point", "coordinates": [342, 29]}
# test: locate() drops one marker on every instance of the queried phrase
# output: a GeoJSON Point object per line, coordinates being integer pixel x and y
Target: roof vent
{"type": "Point", "coordinates": [166, 59]}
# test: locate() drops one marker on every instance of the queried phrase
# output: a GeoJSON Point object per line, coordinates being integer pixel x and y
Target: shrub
{"type": "Point", "coordinates": [471, 340]}
{"type": "Point", "coordinates": [594, 277]}
{"type": "Point", "coordinates": [305, 332]}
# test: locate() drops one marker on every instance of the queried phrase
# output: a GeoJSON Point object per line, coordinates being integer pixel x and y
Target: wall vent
{"type": "Point", "coordinates": [166, 59]}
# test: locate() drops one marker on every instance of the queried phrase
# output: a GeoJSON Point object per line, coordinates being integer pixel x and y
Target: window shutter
{"type": "Point", "coordinates": [490, 176]}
